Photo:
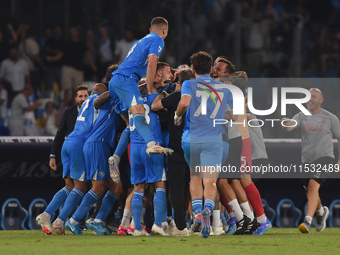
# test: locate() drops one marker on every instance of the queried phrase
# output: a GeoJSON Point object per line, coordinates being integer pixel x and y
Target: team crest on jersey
{"type": "Point", "coordinates": [159, 49]}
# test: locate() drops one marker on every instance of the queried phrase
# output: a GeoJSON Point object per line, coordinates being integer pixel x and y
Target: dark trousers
{"type": "Point", "coordinates": [178, 177]}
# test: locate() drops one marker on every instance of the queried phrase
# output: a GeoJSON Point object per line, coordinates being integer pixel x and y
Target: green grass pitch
{"type": "Point", "coordinates": [275, 241]}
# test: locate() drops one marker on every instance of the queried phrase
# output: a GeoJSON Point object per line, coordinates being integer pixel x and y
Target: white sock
{"type": "Point", "coordinates": [97, 220]}
{"type": "Point", "coordinates": [232, 214]}
{"type": "Point", "coordinates": [49, 216]}
{"type": "Point", "coordinates": [262, 218]}
{"type": "Point", "coordinates": [216, 218]}
{"type": "Point", "coordinates": [127, 214]}
{"type": "Point", "coordinates": [60, 222]}
{"type": "Point", "coordinates": [236, 209]}
{"type": "Point", "coordinates": [73, 222]}
{"type": "Point", "coordinates": [132, 223]}
{"type": "Point", "coordinates": [308, 219]}
{"type": "Point", "coordinates": [320, 212]}
{"type": "Point", "coordinates": [247, 211]}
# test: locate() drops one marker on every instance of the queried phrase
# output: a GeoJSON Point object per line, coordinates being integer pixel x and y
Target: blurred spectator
{"type": "Point", "coordinates": [311, 71]}
{"type": "Point", "coordinates": [13, 33]}
{"type": "Point", "coordinates": [43, 39]}
{"type": "Point", "coordinates": [274, 11]}
{"type": "Point", "coordinates": [89, 73]}
{"type": "Point", "coordinates": [276, 56]}
{"type": "Point", "coordinates": [17, 124]}
{"type": "Point", "coordinates": [3, 104]}
{"type": "Point", "coordinates": [53, 57]}
{"type": "Point", "coordinates": [30, 122]}
{"type": "Point", "coordinates": [334, 18]}
{"type": "Point", "coordinates": [123, 46]}
{"type": "Point", "coordinates": [14, 70]}
{"type": "Point", "coordinates": [331, 68]}
{"type": "Point", "coordinates": [105, 51]}
{"type": "Point", "coordinates": [73, 66]}
{"type": "Point", "coordinates": [256, 37]}
{"type": "Point", "coordinates": [4, 46]}
{"type": "Point", "coordinates": [30, 51]}
{"type": "Point", "coordinates": [198, 26]}
{"type": "Point", "coordinates": [49, 120]}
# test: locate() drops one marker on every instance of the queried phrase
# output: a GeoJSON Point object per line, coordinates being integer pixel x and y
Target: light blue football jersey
{"type": "Point", "coordinates": [151, 118]}
{"type": "Point", "coordinates": [136, 61]}
{"type": "Point", "coordinates": [209, 99]}
{"type": "Point", "coordinates": [86, 118]}
{"type": "Point", "coordinates": [107, 122]}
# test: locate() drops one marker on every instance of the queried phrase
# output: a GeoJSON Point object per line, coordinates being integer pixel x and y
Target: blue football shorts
{"type": "Point", "coordinates": [96, 159]}
{"type": "Point", "coordinates": [200, 155]}
{"type": "Point", "coordinates": [73, 161]}
{"type": "Point", "coordinates": [145, 168]}
{"type": "Point", "coordinates": [125, 90]}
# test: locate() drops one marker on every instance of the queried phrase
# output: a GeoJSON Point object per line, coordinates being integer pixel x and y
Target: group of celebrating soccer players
{"type": "Point", "coordinates": [163, 119]}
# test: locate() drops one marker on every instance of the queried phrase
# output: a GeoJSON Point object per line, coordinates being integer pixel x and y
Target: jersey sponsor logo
{"type": "Point", "coordinates": [313, 128]}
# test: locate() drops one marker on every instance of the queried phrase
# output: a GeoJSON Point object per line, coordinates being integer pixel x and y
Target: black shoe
{"type": "Point", "coordinates": [242, 226]}
{"type": "Point", "coordinates": [253, 225]}
{"type": "Point", "coordinates": [113, 225]}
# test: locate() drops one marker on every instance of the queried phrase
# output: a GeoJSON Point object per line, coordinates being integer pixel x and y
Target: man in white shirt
{"type": "Point", "coordinates": [19, 107]}
{"type": "Point", "coordinates": [15, 71]}
{"type": "Point", "coordinates": [123, 46]}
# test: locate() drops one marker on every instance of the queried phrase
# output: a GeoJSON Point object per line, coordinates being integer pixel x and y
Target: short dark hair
{"type": "Point", "coordinates": [224, 57]}
{"type": "Point", "coordinates": [159, 22]}
{"type": "Point", "coordinates": [83, 87]}
{"type": "Point", "coordinates": [172, 70]}
{"type": "Point", "coordinates": [230, 68]}
{"type": "Point", "coordinates": [202, 62]}
{"type": "Point", "coordinates": [109, 71]}
{"type": "Point", "coordinates": [161, 65]}
{"type": "Point", "coordinates": [185, 74]}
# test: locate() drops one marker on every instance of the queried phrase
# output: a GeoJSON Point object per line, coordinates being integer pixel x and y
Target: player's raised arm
{"type": "Point", "coordinates": [151, 72]}
{"type": "Point", "coordinates": [98, 103]}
